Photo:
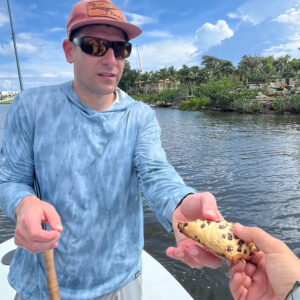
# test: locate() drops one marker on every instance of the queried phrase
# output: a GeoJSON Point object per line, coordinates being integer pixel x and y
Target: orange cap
{"type": "Point", "coordinates": [88, 12]}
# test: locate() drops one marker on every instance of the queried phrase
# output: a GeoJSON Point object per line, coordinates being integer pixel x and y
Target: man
{"type": "Point", "coordinates": [92, 149]}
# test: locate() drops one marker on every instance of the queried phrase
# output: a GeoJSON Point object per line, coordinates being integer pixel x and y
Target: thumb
{"type": "Point", "coordinates": [52, 218]}
{"type": "Point", "coordinates": [262, 240]}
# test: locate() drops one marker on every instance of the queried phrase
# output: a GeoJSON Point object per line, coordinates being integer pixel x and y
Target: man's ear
{"type": "Point", "coordinates": [68, 49]}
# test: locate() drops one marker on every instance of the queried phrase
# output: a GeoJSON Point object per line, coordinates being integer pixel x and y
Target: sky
{"type": "Point", "coordinates": [175, 32]}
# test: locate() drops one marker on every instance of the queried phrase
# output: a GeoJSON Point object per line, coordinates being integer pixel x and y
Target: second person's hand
{"type": "Point", "coordinates": [270, 274]}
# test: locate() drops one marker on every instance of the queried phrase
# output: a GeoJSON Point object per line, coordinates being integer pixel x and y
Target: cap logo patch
{"type": "Point", "coordinates": [104, 9]}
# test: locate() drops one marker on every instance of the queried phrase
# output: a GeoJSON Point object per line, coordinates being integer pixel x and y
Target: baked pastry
{"type": "Point", "coordinates": [218, 236]}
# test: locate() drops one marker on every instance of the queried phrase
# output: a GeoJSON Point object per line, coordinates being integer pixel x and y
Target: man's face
{"type": "Point", "coordinates": [93, 74]}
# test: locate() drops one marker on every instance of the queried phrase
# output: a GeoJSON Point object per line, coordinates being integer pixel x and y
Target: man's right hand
{"type": "Point", "coordinates": [30, 214]}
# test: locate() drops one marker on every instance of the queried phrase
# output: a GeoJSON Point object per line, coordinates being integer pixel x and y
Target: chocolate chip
{"type": "Point", "coordinates": [217, 221]}
{"type": "Point", "coordinates": [239, 249]}
{"type": "Point", "coordinates": [202, 225]}
{"type": "Point", "coordinates": [224, 236]}
{"type": "Point", "coordinates": [222, 226]}
{"type": "Point", "coordinates": [195, 237]}
{"type": "Point", "coordinates": [236, 237]}
{"type": "Point", "coordinates": [251, 253]}
{"type": "Point", "coordinates": [245, 251]}
{"type": "Point", "coordinates": [229, 248]}
{"type": "Point", "coordinates": [198, 240]}
{"type": "Point", "coordinates": [208, 222]}
{"type": "Point", "coordinates": [229, 236]}
{"type": "Point", "coordinates": [185, 224]}
{"type": "Point", "coordinates": [241, 243]}
{"type": "Point", "coordinates": [180, 230]}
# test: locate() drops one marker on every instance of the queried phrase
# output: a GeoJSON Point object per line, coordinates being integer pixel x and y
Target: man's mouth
{"type": "Point", "coordinates": [107, 75]}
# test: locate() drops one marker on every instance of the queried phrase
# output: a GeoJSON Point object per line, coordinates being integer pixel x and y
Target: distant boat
{"type": "Point", "coordinates": [158, 283]}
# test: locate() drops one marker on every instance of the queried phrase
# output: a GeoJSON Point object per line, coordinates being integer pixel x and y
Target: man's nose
{"type": "Point", "coordinates": [109, 56]}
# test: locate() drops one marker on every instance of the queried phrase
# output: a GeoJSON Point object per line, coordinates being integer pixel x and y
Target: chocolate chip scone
{"type": "Point", "coordinates": [219, 237]}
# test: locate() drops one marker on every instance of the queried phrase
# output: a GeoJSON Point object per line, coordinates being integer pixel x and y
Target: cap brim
{"type": "Point", "coordinates": [131, 30]}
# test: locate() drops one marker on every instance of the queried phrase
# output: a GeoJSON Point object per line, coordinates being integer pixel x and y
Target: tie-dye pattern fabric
{"type": "Point", "coordinates": [92, 167]}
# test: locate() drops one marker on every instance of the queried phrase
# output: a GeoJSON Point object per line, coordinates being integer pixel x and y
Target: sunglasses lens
{"type": "Point", "coordinates": [94, 46]}
{"type": "Point", "coordinates": [98, 47]}
{"type": "Point", "coordinates": [121, 49]}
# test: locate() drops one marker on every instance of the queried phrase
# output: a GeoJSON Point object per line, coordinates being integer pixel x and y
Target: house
{"type": "Point", "coordinates": [155, 87]}
{"type": "Point", "coordinates": [5, 95]}
{"type": "Point", "coordinates": [255, 85]}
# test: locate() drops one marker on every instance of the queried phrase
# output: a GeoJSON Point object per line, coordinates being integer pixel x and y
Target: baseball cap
{"type": "Point", "coordinates": [88, 12]}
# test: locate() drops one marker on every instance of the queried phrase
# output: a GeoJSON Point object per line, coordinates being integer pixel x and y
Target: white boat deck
{"type": "Point", "coordinates": [158, 283]}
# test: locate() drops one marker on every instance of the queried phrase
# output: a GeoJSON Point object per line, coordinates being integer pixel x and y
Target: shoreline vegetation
{"type": "Point", "coordinates": [6, 101]}
{"type": "Point", "coordinates": [217, 85]}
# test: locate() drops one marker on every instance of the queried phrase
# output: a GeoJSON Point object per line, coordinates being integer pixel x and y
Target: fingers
{"type": "Point", "coordinates": [29, 233]}
{"type": "Point", "coordinates": [193, 255]}
{"type": "Point", "coordinates": [237, 288]}
{"type": "Point", "coordinates": [209, 208]}
{"type": "Point", "coordinates": [53, 219]}
{"type": "Point", "coordinates": [200, 205]}
{"type": "Point", "coordinates": [260, 238]}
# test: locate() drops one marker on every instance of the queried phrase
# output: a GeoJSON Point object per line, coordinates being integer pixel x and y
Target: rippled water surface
{"type": "Point", "coordinates": [251, 163]}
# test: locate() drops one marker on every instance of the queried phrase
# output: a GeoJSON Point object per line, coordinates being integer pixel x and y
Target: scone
{"type": "Point", "coordinates": [218, 236]}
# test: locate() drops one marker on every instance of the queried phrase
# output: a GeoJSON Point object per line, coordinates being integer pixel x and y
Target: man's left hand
{"type": "Point", "coordinates": [194, 206]}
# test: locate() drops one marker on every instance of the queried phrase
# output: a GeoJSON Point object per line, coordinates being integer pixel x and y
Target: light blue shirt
{"type": "Point", "coordinates": [92, 167]}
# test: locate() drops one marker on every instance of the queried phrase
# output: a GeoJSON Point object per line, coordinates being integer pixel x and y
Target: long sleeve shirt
{"type": "Point", "coordinates": [92, 166]}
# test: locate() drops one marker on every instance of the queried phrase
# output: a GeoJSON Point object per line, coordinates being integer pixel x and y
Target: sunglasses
{"type": "Point", "coordinates": [98, 47]}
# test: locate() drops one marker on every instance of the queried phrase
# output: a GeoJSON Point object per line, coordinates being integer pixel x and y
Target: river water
{"type": "Point", "coordinates": [251, 163]}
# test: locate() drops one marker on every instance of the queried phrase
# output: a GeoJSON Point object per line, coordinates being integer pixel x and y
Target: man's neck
{"type": "Point", "coordinates": [95, 101]}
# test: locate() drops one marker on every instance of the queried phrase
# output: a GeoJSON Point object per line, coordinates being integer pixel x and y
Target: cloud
{"type": "Point", "coordinates": [292, 16]}
{"type": "Point", "coordinates": [138, 20]}
{"type": "Point", "coordinates": [257, 11]}
{"type": "Point", "coordinates": [210, 35]}
{"type": "Point", "coordinates": [171, 52]}
{"type": "Point", "coordinates": [23, 48]}
{"type": "Point", "coordinates": [3, 19]}
{"type": "Point", "coordinates": [288, 48]}
{"type": "Point", "coordinates": [41, 64]}
{"type": "Point", "coordinates": [57, 29]}
{"type": "Point", "coordinates": [158, 34]}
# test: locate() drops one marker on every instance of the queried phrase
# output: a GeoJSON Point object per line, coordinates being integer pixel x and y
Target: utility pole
{"type": "Point", "coordinates": [15, 47]}
{"type": "Point", "coordinates": [140, 61]}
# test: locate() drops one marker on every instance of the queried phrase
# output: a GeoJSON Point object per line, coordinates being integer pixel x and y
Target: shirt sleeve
{"type": "Point", "coordinates": [161, 185]}
{"type": "Point", "coordinates": [17, 162]}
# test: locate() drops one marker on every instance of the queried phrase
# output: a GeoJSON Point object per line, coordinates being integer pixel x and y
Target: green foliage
{"type": "Point", "coordinates": [166, 96]}
{"type": "Point", "coordinates": [194, 104]}
{"type": "Point", "coordinates": [288, 105]}
{"type": "Point", "coordinates": [221, 93]}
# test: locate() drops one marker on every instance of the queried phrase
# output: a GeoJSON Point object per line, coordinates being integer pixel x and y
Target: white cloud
{"type": "Point", "coordinates": [23, 49]}
{"type": "Point", "coordinates": [8, 85]}
{"type": "Point", "coordinates": [288, 48]}
{"type": "Point", "coordinates": [292, 16]}
{"type": "Point", "coordinates": [172, 52]}
{"type": "Point", "coordinates": [210, 35]}
{"type": "Point", "coordinates": [3, 19]}
{"type": "Point", "coordinates": [57, 29]}
{"type": "Point", "coordinates": [158, 34]}
{"type": "Point", "coordinates": [138, 20]}
{"type": "Point", "coordinates": [257, 11]}
{"type": "Point", "coordinates": [42, 62]}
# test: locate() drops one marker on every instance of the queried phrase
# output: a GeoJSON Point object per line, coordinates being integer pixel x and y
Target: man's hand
{"type": "Point", "coordinates": [194, 206]}
{"type": "Point", "coordinates": [270, 274]}
{"type": "Point", "coordinates": [30, 214]}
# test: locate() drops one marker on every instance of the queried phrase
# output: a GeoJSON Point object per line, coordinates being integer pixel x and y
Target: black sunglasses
{"type": "Point", "coordinates": [98, 47]}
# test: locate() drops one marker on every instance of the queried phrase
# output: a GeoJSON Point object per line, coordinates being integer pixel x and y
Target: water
{"type": "Point", "coordinates": [251, 163]}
